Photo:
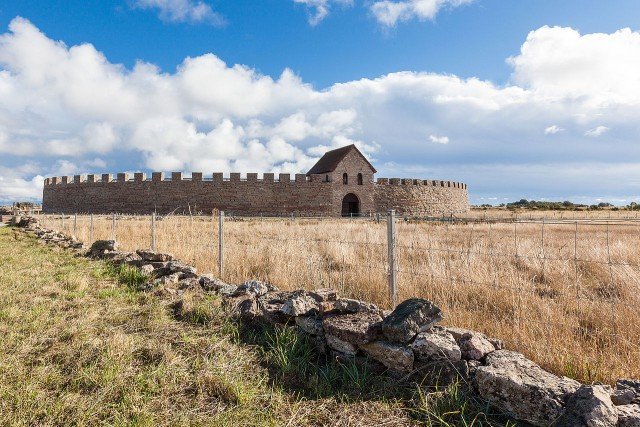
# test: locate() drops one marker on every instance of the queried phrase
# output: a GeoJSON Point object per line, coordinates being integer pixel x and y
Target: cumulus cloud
{"type": "Point", "coordinates": [319, 9]}
{"type": "Point", "coordinates": [552, 130]}
{"type": "Point", "coordinates": [439, 139]}
{"type": "Point", "coordinates": [597, 131]}
{"type": "Point", "coordinates": [68, 109]}
{"type": "Point", "coordinates": [182, 11]}
{"type": "Point", "coordinates": [390, 12]}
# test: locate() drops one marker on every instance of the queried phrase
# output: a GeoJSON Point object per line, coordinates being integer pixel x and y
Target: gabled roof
{"type": "Point", "coordinates": [331, 159]}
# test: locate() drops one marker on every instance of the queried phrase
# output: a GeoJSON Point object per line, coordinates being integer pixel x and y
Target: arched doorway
{"type": "Point", "coordinates": [350, 205]}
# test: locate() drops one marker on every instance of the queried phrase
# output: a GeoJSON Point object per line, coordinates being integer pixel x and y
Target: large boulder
{"type": "Point", "coordinates": [395, 357]}
{"type": "Point", "coordinates": [589, 406]}
{"type": "Point", "coordinates": [254, 287]}
{"type": "Point", "coordinates": [152, 256]}
{"type": "Point", "coordinates": [630, 386]}
{"type": "Point", "coordinates": [522, 389]}
{"type": "Point", "coordinates": [211, 284]}
{"type": "Point", "coordinates": [185, 271]}
{"type": "Point", "coordinates": [270, 304]}
{"type": "Point", "coordinates": [100, 247]}
{"type": "Point", "coordinates": [347, 305]}
{"type": "Point", "coordinates": [436, 344]}
{"type": "Point", "coordinates": [409, 318]}
{"type": "Point", "coordinates": [356, 328]}
{"type": "Point", "coordinates": [310, 324]}
{"type": "Point", "coordinates": [628, 415]}
{"type": "Point", "coordinates": [324, 294]}
{"type": "Point", "coordinates": [341, 346]}
{"type": "Point", "coordinates": [300, 304]}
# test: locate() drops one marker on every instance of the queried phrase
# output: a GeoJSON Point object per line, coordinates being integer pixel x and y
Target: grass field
{"type": "Point", "coordinates": [563, 291]}
{"type": "Point", "coordinates": [79, 345]}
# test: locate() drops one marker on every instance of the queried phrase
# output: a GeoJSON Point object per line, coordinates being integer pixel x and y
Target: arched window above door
{"type": "Point", "coordinates": [345, 178]}
{"type": "Point", "coordinates": [359, 179]}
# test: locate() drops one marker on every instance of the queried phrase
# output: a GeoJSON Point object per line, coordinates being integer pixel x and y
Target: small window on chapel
{"type": "Point", "coordinates": [345, 178]}
{"type": "Point", "coordinates": [359, 179]}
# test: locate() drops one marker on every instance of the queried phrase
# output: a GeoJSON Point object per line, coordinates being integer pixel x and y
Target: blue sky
{"type": "Point", "coordinates": [427, 92]}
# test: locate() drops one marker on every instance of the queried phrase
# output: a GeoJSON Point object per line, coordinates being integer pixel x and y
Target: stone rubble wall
{"type": "Point", "coordinates": [407, 342]}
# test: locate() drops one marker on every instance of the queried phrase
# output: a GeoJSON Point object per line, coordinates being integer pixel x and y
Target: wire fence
{"type": "Point", "coordinates": [563, 291]}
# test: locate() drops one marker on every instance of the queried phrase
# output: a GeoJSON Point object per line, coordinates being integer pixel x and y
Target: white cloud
{"type": "Point", "coordinates": [439, 139]}
{"type": "Point", "coordinates": [390, 12]}
{"type": "Point", "coordinates": [562, 63]}
{"type": "Point", "coordinates": [182, 11]}
{"type": "Point", "coordinates": [597, 131]}
{"type": "Point", "coordinates": [552, 130]}
{"type": "Point", "coordinates": [319, 9]}
{"type": "Point", "coordinates": [67, 109]}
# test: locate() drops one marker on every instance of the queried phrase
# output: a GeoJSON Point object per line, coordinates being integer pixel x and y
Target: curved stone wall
{"type": "Point", "coordinates": [303, 195]}
{"type": "Point", "coordinates": [421, 197]}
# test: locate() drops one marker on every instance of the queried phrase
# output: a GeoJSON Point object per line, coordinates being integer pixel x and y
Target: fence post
{"type": "Point", "coordinates": [91, 230]}
{"type": "Point", "coordinates": [62, 221]}
{"type": "Point", "coordinates": [153, 231]}
{"type": "Point", "coordinates": [75, 224]}
{"type": "Point", "coordinates": [113, 226]}
{"type": "Point", "coordinates": [391, 247]}
{"type": "Point", "coordinates": [221, 244]}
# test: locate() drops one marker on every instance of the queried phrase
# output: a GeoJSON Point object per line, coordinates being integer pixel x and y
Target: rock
{"type": "Point", "coordinates": [628, 415]}
{"type": "Point", "coordinates": [589, 406]}
{"type": "Point", "coordinates": [520, 388]}
{"type": "Point", "coordinates": [246, 306]}
{"type": "Point", "coordinates": [473, 345]}
{"type": "Point", "coordinates": [436, 345]}
{"type": "Point", "coordinates": [270, 304]}
{"type": "Point", "coordinates": [171, 279]}
{"type": "Point", "coordinates": [255, 287]}
{"type": "Point", "coordinates": [356, 328]}
{"type": "Point", "coordinates": [300, 304]}
{"type": "Point", "coordinates": [324, 294]}
{"type": "Point", "coordinates": [147, 269]}
{"type": "Point", "coordinates": [347, 305]}
{"type": "Point", "coordinates": [99, 247]}
{"type": "Point", "coordinates": [409, 318]}
{"type": "Point", "coordinates": [631, 385]}
{"type": "Point", "coordinates": [341, 346]}
{"type": "Point", "coordinates": [310, 324]}
{"type": "Point", "coordinates": [622, 397]}
{"type": "Point", "coordinates": [185, 271]}
{"type": "Point", "coordinates": [191, 284]}
{"type": "Point", "coordinates": [395, 357]}
{"type": "Point", "coordinates": [154, 256]}
{"type": "Point", "coordinates": [115, 257]}
{"type": "Point", "coordinates": [210, 284]}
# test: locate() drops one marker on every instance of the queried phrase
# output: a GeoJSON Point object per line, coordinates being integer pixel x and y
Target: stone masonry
{"type": "Point", "coordinates": [341, 175]}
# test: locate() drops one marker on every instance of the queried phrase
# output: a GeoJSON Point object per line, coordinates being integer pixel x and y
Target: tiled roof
{"type": "Point", "coordinates": [331, 159]}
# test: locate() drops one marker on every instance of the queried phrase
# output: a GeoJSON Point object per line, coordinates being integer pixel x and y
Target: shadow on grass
{"type": "Point", "coordinates": [295, 365]}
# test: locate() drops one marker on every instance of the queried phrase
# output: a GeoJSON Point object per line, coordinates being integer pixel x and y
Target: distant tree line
{"type": "Point", "coordinates": [561, 206]}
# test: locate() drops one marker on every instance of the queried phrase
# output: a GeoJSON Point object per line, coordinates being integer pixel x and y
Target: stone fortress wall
{"type": "Point", "coordinates": [341, 183]}
{"type": "Point", "coordinates": [301, 195]}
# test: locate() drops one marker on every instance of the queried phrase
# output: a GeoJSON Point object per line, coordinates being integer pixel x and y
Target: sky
{"type": "Point", "coordinates": [535, 99]}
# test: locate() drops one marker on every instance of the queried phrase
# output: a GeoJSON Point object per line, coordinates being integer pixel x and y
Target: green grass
{"type": "Point", "coordinates": [80, 344]}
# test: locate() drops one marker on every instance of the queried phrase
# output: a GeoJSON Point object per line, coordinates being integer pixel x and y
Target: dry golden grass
{"type": "Point", "coordinates": [564, 292]}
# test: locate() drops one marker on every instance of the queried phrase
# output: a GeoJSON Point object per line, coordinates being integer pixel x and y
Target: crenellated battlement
{"type": "Point", "coordinates": [232, 177]}
{"type": "Point", "coordinates": [266, 177]}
